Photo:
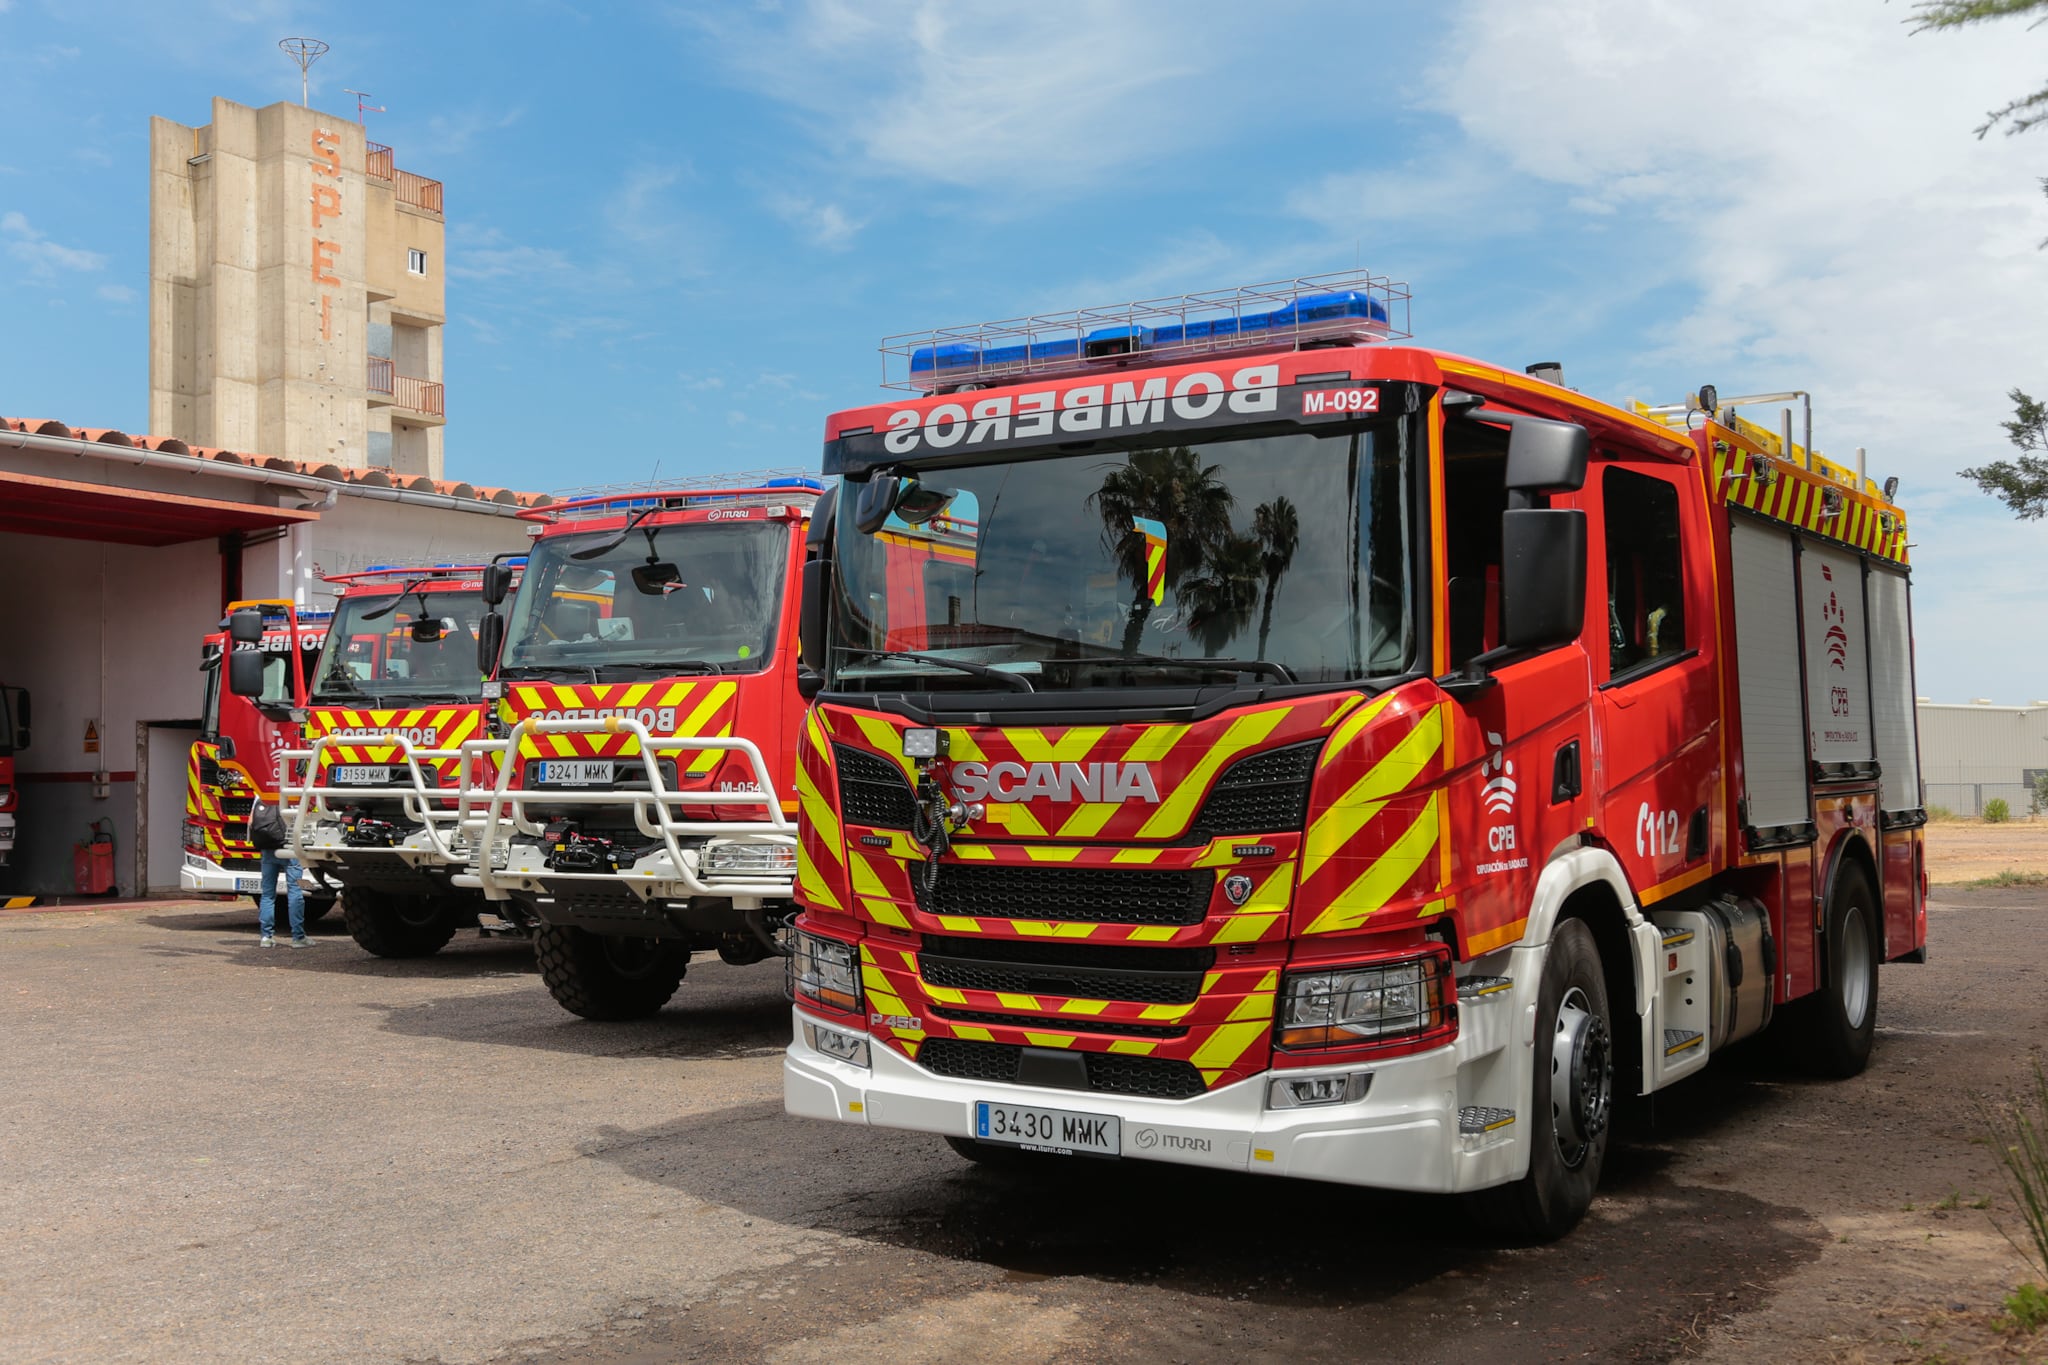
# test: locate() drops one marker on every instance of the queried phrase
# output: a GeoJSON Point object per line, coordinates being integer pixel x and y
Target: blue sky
{"type": "Point", "coordinates": [677, 232]}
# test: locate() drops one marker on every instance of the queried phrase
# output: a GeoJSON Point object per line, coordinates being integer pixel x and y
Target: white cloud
{"type": "Point", "coordinates": [1812, 171]}
{"type": "Point", "coordinates": [42, 257]}
{"type": "Point", "coordinates": [116, 293]}
{"type": "Point", "coordinates": [822, 225]}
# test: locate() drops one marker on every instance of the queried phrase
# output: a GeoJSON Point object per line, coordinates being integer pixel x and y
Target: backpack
{"type": "Point", "coordinates": [266, 827]}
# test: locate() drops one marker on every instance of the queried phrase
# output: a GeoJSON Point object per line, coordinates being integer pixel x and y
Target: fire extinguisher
{"type": "Point", "coordinates": [92, 861]}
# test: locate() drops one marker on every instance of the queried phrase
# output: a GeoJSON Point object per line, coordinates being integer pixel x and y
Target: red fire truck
{"type": "Point", "coordinates": [647, 711]}
{"type": "Point", "coordinates": [395, 694]}
{"type": "Point", "coordinates": [14, 736]}
{"type": "Point", "coordinates": [235, 758]}
{"type": "Point", "coordinates": [1335, 758]}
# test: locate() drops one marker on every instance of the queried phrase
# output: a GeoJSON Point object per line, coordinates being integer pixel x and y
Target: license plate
{"type": "Point", "coordinates": [1060, 1131]}
{"type": "Point", "coordinates": [249, 886]}
{"type": "Point", "coordinates": [576, 772]}
{"type": "Point", "coordinates": [362, 775]}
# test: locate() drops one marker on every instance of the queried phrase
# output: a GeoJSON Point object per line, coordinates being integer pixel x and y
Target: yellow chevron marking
{"type": "Point", "coordinates": [1049, 1039]}
{"type": "Point", "coordinates": [960, 744]}
{"type": "Point", "coordinates": [811, 883]}
{"type": "Point", "coordinates": [1088, 819]}
{"type": "Point", "coordinates": [1138, 855]}
{"type": "Point", "coordinates": [1133, 1046]}
{"type": "Point", "coordinates": [884, 912]}
{"type": "Point", "coordinates": [1243, 928]}
{"type": "Point", "coordinates": [720, 694]}
{"type": "Point", "coordinates": [866, 881]}
{"type": "Point", "coordinates": [1013, 817]}
{"type": "Point", "coordinates": [1010, 1001]}
{"type": "Point", "coordinates": [634, 695]}
{"type": "Point", "coordinates": [707, 759]}
{"type": "Point", "coordinates": [1399, 768]}
{"type": "Point", "coordinates": [1152, 933]}
{"type": "Point", "coordinates": [1033, 747]}
{"type": "Point", "coordinates": [946, 995]}
{"type": "Point", "coordinates": [1084, 1006]}
{"type": "Point", "coordinates": [678, 693]}
{"type": "Point", "coordinates": [1165, 1012]}
{"type": "Point", "coordinates": [1052, 855]}
{"type": "Point", "coordinates": [818, 811]}
{"type": "Point", "coordinates": [1039, 928]}
{"type": "Point", "coordinates": [1273, 893]}
{"type": "Point", "coordinates": [1377, 884]}
{"type": "Point", "coordinates": [1343, 709]}
{"type": "Point", "coordinates": [1353, 727]}
{"type": "Point", "coordinates": [959, 924]}
{"type": "Point", "coordinates": [887, 742]}
{"type": "Point", "coordinates": [1155, 743]}
{"type": "Point", "coordinates": [978, 852]}
{"type": "Point", "coordinates": [1258, 1005]}
{"type": "Point", "coordinates": [979, 1035]}
{"type": "Point", "coordinates": [1173, 813]}
{"type": "Point", "coordinates": [1227, 1043]}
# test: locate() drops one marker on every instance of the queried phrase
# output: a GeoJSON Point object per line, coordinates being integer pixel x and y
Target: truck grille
{"type": "Point", "coordinates": [1263, 794]}
{"type": "Point", "coordinates": [1061, 1023]}
{"type": "Point", "coordinates": [236, 807]}
{"type": "Point", "coordinates": [1093, 895]}
{"type": "Point", "coordinates": [1148, 976]}
{"type": "Point", "coordinates": [1108, 1072]}
{"type": "Point", "coordinates": [872, 791]}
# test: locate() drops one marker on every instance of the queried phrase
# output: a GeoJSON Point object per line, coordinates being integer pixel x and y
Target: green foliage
{"type": "Point", "coordinates": [2019, 1131]}
{"type": "Point", "coordinates": [1996, 812]}
{"type": "Point", "coordinates": [2021, 114]}
{"type": "Point", "coordinates": [2021, 484]}
{"type": "Point", "coordinates": [1937, 815]}
{"type": "Point", "coordinates": [2026, 1309]}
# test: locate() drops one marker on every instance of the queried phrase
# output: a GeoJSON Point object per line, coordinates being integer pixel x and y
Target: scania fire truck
{"type": "Point", "coordinates": [646, 717]}
{"type": "Point", "coordinates": [395, 694]}
{"type": "Point", "coordinates": [235, 758]}
{"type": "Point", "coordinates": [15, 716]}
{"type": "Point", "coordinates": [1317, 755]}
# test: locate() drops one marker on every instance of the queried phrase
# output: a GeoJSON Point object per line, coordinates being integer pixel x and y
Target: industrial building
{"type": "Point", "coordinates": [296, 291]}
{"type": "Point", "coordinates": [1972, 752]}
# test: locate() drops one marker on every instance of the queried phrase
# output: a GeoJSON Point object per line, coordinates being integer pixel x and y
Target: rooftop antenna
{"type": "Point", "coordinates": [362, 108]}
{"type": "Point", "coordinates": [304, 51]}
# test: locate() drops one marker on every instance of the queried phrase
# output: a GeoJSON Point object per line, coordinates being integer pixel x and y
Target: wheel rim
{"type": "Point", "coordinates": [1856, 967]}
{"type": "Point", "coordinates": [631, 958]}
{"type": "Point", "coordinates": [1581, 1078]}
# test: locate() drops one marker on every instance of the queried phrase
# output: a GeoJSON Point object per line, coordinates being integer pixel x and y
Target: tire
{"type": "Point", "coordinates": [1830, 1032]}
{"type": "Point", "coordinates": [1571, 1101]}
{"type": "Point", "coordinates": [604, 976]}
{"type": "Point", "coordinates": [317, 908]}
{"type": "Point", "coordinates": [391, 925]}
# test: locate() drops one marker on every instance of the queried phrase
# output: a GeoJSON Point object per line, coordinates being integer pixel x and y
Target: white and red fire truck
{"type": "Point", "coordinates": [646, 702]}
{"type": "Point", "coordinates": [1246, 740]}
{"type": "Point", "coordinates": [15, 718]}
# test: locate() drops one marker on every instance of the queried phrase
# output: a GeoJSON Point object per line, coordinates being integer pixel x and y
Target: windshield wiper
{"type": "Point", "coordinates": [1015, 681]}
{"type": "Point", "coordinates": [667, 665]}
{"type": "Point", "coordinates": [1262, 666]}
{"type": "Point", "coordinates": [547, 672]}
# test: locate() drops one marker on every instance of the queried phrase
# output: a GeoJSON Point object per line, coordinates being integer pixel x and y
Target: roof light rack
{"type": "Point", "coordinates": [762, 488]}
{"type": "Point", "coordinates": [389, 571]}
{"type": "Point", "coordinates": [1344, 306]}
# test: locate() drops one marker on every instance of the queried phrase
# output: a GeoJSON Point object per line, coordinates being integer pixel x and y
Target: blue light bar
{"type": "Point", "coordinates": [1348, 307]}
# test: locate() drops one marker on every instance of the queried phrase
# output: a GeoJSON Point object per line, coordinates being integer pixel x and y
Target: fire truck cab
{"type": "Point", "coordinates": [235, 758]}
{"type": "Point", "coordinates": [644, 728]}
{"type": "Point", "coordinates": [394, 695]}
{"type": "Point", "coordinates": [1316, 755]}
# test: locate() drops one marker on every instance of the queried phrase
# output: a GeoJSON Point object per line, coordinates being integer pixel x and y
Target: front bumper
{"type": "Point", "coordinates": [202, 875]}
{"type": "Point", "coordinates": [1401, 1135]}
{"type": "Point", "coordinates": [321, 842]}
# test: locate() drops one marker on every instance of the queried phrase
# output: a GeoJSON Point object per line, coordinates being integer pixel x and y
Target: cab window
{"type": "Point", "coordinates": [1645, 571]}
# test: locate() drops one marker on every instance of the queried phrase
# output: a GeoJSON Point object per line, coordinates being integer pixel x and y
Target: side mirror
{"type": "Point", "coordinates": [1542, 575]}
{"type": "Point", "coordinates": [245, 627]}
{"type": "Point", "coordinates": [809, 682]}
{"type": "Point", "coordinates": [811, 616]}
{"type": "Point", "coordinates": [22, 718]}
{"type": "Point", "coordinates": [1545, 457]}
{"type": "Point", "coordinates": [497, 583]}
{"type": "Point", "coordinates": [876, 501]}
{"type": "Point", "coordinates": [490, 637]}
{"type": "Point", "coordinates": [245, 672]}
{"type": "Point", "coordinates": [225, 745]}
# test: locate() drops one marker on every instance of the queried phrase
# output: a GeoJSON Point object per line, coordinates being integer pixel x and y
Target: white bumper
{"type": "Point", "coordinates": [1401, 1135]}
{"type": "Point", "coordinates": [320, 843]}
{"type": "Point", "coordinates": [204, 876]}
{"type": "Point", "coordinates": [653, 876]}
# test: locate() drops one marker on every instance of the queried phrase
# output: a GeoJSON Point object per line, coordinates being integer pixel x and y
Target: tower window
{"type": "Point", "coordinates": [416, 261]}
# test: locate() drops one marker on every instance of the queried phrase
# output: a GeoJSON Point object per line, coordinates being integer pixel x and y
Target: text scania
{"type": "Point", "coordinates": [1084, 408]}
{"type": "Point", "coordinates": [661, 719]}
{"type": "Point", "coordinates": [1054, 782]}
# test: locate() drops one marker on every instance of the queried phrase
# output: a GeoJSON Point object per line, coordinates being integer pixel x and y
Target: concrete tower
{"type": "Point", "coordinates": [296, 291]}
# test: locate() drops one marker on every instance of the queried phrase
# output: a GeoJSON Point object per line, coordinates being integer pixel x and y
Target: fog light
{"type": "Point", "coordinates": [924, 742]}
{"type": "Point", "coordinates": [1299, 1092]}
{"type": "Point", "coordinates": [762, 859]}
{"type": "Point", "coordinates": [196, 861]}
{"type": "Point", "coordinates": [840, 1047]}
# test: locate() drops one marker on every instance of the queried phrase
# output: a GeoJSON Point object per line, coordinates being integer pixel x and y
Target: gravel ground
{"type": "Point", "coordinates": [210, 1151]}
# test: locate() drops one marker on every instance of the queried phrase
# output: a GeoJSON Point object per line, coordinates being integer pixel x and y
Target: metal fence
{"type": "Point", "coordinates": [1968, 798]}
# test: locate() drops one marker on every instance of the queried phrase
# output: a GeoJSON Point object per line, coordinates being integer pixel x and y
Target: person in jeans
{"type": "Point", "coordinates": [267, 833]}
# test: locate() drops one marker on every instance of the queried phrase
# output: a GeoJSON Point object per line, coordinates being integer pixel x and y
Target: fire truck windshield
{"type": "Point", "coordinates": [420, 647]}
{"type": "Point", "coordinates": [1286, 556]}
{"type": "Point", "coordinates": [693, 597]}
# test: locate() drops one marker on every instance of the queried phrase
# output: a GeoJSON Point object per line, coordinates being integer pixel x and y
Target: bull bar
{"type": "Point", "coordinates": [427, 806]}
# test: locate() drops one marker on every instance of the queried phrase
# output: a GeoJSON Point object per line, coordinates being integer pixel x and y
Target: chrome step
{"type": "Point", "coordinates": [1677, 1040]}
{"type": "Point", "coordinates": [1475, 1119]}
{"type": "Point", "coordinates": [1675, 938]}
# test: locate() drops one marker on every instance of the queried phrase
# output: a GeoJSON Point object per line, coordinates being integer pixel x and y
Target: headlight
{"type": "Point", "coordinates": [1347, 1006]}
{"type": "Point", "coordinates": [194, 835]}
{"type": "Point", "coordinates": [757, 858]}
{"type": "Point", "coordinates": [840, 1047]}
{"type": "Point", "coordinates": [826, 971]}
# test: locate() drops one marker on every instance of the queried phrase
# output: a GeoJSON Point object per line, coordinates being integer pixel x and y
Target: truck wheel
{"type": "Point", "coordinates": [391, 925]}
{"type": "Point", "coordinates": [1572, 1101]}
{"type": "Point", "coordinates": [1830, 1031]}
{"type": "Point", "coordinates": [317, 908]}
{"type": "Point", "coordinates": [608, 976]}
